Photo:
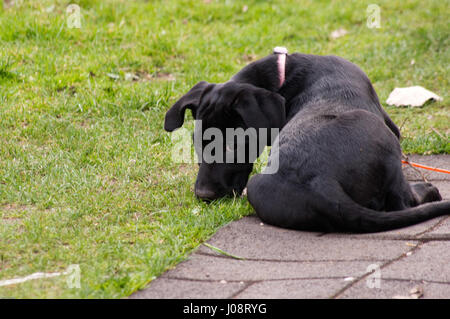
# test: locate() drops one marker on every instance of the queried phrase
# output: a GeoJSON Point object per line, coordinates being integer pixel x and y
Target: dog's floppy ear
{"type": "Point", "coordinates": [175, 115]}
{"type": "Point", "coordinates": [260, 108]}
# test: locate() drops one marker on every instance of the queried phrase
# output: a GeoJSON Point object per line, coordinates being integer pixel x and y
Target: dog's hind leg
{"type": "Point", "coordinates": [280, 202]}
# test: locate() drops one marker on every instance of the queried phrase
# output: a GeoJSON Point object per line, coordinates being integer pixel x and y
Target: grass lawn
{"type": "Point", "coordinates": [86, 175]}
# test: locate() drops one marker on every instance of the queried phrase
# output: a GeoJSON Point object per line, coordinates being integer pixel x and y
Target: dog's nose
{"type": "Point", "coordinates": [205, 194]}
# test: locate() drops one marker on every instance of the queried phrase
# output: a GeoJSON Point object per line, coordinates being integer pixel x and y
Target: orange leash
{"type": "Point", "coordinates": [440, 170]}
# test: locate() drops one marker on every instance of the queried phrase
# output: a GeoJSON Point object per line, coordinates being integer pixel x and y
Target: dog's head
{"type": "Point", "coordinates": [229, 119]}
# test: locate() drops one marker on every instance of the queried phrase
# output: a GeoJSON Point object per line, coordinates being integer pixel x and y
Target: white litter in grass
{"type": "Point", "coordinates": [413, 96]}
{"type": "Point", "coordinates": [50, 8]}
{"type": "Point", "coordinates": [72, 272]}
{"type": "Point", "coordinates": [113, 76]}
{"type": "Point", "coordinates": [131, 77]}
{"type": "Point", "coordinates": [36, 275]}
{"type": "Point", "coordinates": [338, 33]}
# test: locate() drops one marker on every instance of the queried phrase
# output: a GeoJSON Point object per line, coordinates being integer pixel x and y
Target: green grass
{"type": "Point", "coordinates": [86, 175]}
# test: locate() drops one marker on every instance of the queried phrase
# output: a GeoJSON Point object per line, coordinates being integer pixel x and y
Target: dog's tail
{"type": "Point", "coordinates": [352, 217]}
{"type": "Point", "coordinates": [329, 208]}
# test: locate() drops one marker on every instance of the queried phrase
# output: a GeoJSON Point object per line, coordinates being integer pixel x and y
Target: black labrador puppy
{"type": "Point", "coordinates": [338, 152]}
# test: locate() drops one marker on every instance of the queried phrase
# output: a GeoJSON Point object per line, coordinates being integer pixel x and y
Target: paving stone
{"type": "Point", "coordinates": [166, 288]}
{"type": "Point", "coordinates": [442, 229]}
{"type": "Point", "coordinates": [431, 262]}
{"type": "Point", "coordinates": [247, 238]}
{"type": "Point", "coordinates": [203, 267]}
{"type": "Point", "coordinates": [293, 289]}
{"type": "Point", "coordinates": [390, 288]}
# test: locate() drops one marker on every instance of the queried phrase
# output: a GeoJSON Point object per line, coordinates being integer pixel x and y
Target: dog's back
{"type": "Point", "coordinates": [332, 85]}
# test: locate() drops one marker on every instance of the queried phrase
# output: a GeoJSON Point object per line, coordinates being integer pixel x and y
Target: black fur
{"type": "Point", "coordinates": [339, 154]}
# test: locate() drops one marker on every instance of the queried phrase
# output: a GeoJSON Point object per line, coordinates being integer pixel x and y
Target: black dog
{"type": "Point", "coordinates": [338, 150]}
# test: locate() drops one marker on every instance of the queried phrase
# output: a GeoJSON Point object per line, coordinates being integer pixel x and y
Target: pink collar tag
{"type": "Point", "coordinates": [281, 52]}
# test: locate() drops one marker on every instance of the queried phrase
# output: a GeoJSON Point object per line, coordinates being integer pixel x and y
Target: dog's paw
{"type": "Point", "coordinates": [426, 192]}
